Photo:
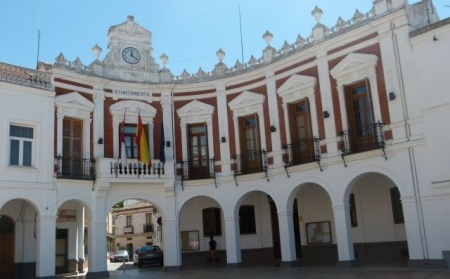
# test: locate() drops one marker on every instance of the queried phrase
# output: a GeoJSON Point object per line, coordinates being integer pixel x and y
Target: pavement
{"type": "Point", "coordinates": [267, 271]}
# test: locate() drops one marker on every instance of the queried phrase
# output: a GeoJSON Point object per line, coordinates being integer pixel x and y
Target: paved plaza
{"type": "Point", "coordinates": [262, 272]}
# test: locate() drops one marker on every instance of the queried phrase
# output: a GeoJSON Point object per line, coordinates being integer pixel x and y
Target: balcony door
{"type": "Point", "coordinates": [302, 144]}
{"type": "Point", "coordinates": [198, 151]}
{"type": "Point", "coordinates": [360, 116]}
{"type": "Point", "coordinates": [251, 157]}
{"type": "Point", "coordinates": [72, 164]}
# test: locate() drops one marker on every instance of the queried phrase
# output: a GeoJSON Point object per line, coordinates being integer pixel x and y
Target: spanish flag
{"type": "Point", "coordinates": [141, 142]}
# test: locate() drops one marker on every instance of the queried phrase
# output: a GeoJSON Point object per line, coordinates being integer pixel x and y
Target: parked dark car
{"type": "Point", "coordinates": [150, 254]}
{"type": "Point", "coordinates": [120, 255]}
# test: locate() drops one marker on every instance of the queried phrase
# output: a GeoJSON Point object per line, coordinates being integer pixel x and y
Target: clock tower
{"type": "Point", "coordinates": [130, 55]}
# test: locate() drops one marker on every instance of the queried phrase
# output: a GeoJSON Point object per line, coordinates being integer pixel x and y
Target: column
{"type": "Point", "coordinates": [97, 242]}
{"type": "Point", "coordinates": [344, 236]}
{"type": "Point", "coordinates": [414, 232]}
{"type": "Point", "coordinates": [287, 240]}
{"type": "Point", "coordinates": [80, 228]}
{"type": "Point", "coordinates": [222, 112]}
{"type": "Point", "coordinates": [233, 241]}
{"type": "Point", "coordinates": [167, 113]}
{"type": "Point", "coordinates": [99, 126]}
{"type": "Point", "coordinates": [59, 131]}
{"type": "Point", "coordinates": [327, 102]}
{"type": "Point", "coordinates": [46, 245]}
{"type": "Point", "coordinates": [171, 231]}
{"type": "Point", "coordinates": [273, 117]}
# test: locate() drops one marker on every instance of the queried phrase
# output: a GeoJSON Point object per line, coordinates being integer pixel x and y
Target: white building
{"type": "Point", "coordinates": [331, 149]}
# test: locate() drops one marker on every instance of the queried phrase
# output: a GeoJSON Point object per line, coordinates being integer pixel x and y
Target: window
{"type": "Point", "coordinates": [148, 218]}
{"type": "Point", "coordinates": [129, 221]}
{"type": "Point", "coordinates": [72, 138]}
{"type": "Point", "coordinates": [247, 219]}
{"type": "Point", "coordinates": [21, 148]}
{"type": "Point", "coordinates": [212, 224]}
{"type": "Point", "coordinates": [353, 218]}
{"type": "Point", "coordinates": [130, 140]}
{"type": "Point", "coordinates": [251, 155]}
{"type": "Point", "coordinates": [360, 116]}
{"type": "Point", "coordinates": [198, 151]}
{"type": "Point", "coordinates": [301, 133]}
{"type": "Point", "coordinates": [397, 209]}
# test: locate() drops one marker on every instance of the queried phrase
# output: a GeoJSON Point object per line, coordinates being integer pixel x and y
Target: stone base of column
{"type": "Point", "coordinates": [25, 270]}
{"type": "Point", "coordinates": [98, 274]}
{"type": "Point", "coordinates": [289, 264]}
{"type": "Point", "coordinates": [80, 265]}
{"type": "Point", "coordinates": [427, 264]}
{"type": "Point", "coordinates": [234, 265]}
{"type": "Point", "coordinates": [347, 264]}
{"type": "Point", "coordinates": [72, 266]}
{"type": "Point", "coordinates": [172, 268]}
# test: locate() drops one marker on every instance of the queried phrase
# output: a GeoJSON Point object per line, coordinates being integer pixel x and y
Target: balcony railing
{"type": "Point", "coordinates": [128, 230]}
{"type": "Point", "coordinates": [302, 152]}
{"type": "Point", "coordinates": [148, 228]}
{"type": "Point", "coordinates": [75, 168]}
{"type": "Point", "coordinates": [251, 162]}
{"type": "Point", "coordinates": [137, 169]}
{"type": "Point", "coordinates": [198, 169]}
{"type": "Point", "coordinates": [363, 138]}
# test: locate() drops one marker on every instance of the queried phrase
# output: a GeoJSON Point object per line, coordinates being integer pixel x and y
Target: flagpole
{"type": "Point", "coordinates": [240, 28]}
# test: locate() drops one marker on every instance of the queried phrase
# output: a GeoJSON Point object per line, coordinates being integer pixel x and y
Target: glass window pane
{"type": "Point", "coordinates": [27, 149]}
{"type": "Point", "coordinates": [14, 153]}
{"type": "Point", "coordinates": [23, 132]}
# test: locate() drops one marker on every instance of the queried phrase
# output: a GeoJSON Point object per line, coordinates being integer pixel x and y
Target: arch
{"type": "Point", "coordinates": [195, 194]}
{"type": "Point", "coordinates": [366, 170]}
{"type": "Point", "coordinates": [28, 197]}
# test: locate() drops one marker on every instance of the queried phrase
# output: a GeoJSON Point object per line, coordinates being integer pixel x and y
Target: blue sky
{"type": "Point", "coordinates": [188, 31]}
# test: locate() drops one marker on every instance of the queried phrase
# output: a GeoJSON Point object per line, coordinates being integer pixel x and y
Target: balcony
{"type": "Point", "coordinates": [137, 170]}
{"type": "Point", "coordinates": [302, 152]}
{"type": "Point", "coordinates": [75, 168]}
{"type": "Point", "coordinates": [252, 162]}
{"type": "Point", "coordinates": [148, 228]}
{"type": "Point", "coordinates": [128, 230]}
{"type": "Point", "coordinates": [198, 169]}
{"type": "Point", "coordinates": [362, 139]}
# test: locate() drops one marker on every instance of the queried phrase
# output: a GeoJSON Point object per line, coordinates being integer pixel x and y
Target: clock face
{"type": "Point", "coordinates": [131, 55]}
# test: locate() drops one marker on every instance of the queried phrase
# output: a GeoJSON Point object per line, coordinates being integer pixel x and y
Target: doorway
{"type": "Point", "coordinates": [61, 264]}
{"type": "Point", "coordinates": [6, 247]}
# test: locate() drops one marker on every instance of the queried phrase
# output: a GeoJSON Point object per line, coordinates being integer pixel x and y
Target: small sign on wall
{"type": "Point", "coordinates": [67, 215]}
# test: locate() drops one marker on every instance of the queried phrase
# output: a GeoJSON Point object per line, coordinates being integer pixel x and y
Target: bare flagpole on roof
{"type": "Point", "coordinates": [240, 28]}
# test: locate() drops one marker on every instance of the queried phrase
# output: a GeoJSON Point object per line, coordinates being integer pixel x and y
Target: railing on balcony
{"type": "Point", "coordinates": [148, 228]}
{"type": "Point", "coordinates": [128, 230]}
{"type": "Point", "coordinates": [363, 138]}
{"type": "Point", "coordinates": [251, 162]}
{"type": "Point", "coordinates": [198, 169]}
{"type": "Point", "coordinates": [137, 169]}
{"type": "Point", "coordinates": [302, 152]}
{"type": "Point", "coordinates": [75, 168]}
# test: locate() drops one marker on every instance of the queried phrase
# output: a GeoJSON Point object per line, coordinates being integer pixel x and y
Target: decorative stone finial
{"type": "Point", "coordinates": [96, 50]}
{"type": "Point", "coordinates": [220, 54]}
{"type": "Point", "coordinates": [130, 18]}
{"type": "Point", "coordinates": [268, 37]}
{"type": "Point", "coordinates": [164, 59]}
{"type": "Point", "coordinates": [317, 14]}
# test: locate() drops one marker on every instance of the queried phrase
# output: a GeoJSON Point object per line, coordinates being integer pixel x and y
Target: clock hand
{"type": "Point", "coordinates": [132, 55]}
